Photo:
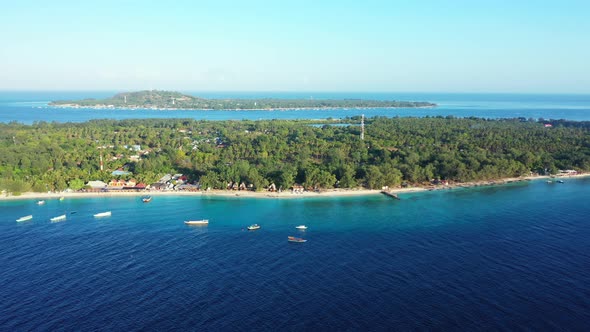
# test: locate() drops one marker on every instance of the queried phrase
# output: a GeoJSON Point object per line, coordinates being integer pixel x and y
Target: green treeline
{"type": "Point", "coordinates": [53, 156]}
{"type": "Point", "coordinates": [172, 99]}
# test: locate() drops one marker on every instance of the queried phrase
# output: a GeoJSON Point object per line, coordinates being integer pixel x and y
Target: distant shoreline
{"type": "Point", "coordinates": [282, 195]}
{"type": "Point", "coordinates": [174, 100]}
{"type": "Point", "coordinates": [73, 106]}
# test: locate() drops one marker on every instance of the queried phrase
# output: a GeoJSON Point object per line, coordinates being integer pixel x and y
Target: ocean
{"type": "Point", "coordinates": [510, 257]}
{"type": "Point", "coordinates": [29, 107]}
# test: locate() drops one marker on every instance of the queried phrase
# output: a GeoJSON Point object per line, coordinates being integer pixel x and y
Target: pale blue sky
{"type": "Point", "coordinates": [434, 46]}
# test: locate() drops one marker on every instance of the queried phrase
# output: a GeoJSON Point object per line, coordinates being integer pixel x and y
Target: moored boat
{"type": "Point", "coordinates": [253, 227]}
{"type": "Point", "coordinates": [25, 218]}
{"type": "Point", "coordinates": [62, 198]}
{"type": "Point", "coordinates": [40, 202]}
{"type": "Point", "coordinates": [197, 222]}
{"type": "Point", "coordinates": [295, 239]}
{"type": "Point", "coordinates": [146, 199]}
{"type": "Point", "coordinates": [58, 218]}
{"type": "Point", "coordinates": [103, 214]}
{"type": "Point", "coordinates": [301, 227]}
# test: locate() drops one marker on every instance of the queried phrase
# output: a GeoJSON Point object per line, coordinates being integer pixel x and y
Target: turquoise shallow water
{"type": "Point", "coordinates": [485, 258]}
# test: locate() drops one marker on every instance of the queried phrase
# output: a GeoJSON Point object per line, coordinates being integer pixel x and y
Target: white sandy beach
{"type": "Point", "coordinates": [210, 193]}
{"type": "Point", "coordinates": [281, 195]}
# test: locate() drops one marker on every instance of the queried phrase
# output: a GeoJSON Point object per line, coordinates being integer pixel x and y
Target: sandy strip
{"type": "Point", "coordinates": [211, 193]}
{"type": "Point", "coordinates": [284, 194]}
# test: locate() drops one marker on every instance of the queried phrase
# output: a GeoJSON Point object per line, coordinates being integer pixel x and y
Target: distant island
{"type": "Point", "coordinates": [155, 99]}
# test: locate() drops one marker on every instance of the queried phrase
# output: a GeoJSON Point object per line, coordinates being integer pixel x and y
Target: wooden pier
{"type": "Point", "coordinates": [390, 194]}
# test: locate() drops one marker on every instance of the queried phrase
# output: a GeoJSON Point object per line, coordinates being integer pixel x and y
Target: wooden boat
{"type": "Point", "coordinates": [296, 239]}
{"type": "Point", "coordinates": [253, 227]}
{"type": "Point", "coordinates": [146, 199]}
{"type": "Point", "coordinates": [58, 218]}
{"type": "Point", "coordinates": [197, 222]}
{"type": "Point", "coordinates": [301, 227]}
{"type": "Point", "coordinates": [40, 202]}
{"type": "Point", "coordinates": [103, 214]}
{"type": "Point", "coordinates": [25, 218]}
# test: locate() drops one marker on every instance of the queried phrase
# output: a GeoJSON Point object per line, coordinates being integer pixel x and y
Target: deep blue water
{"type": "Point", "coordinates": [28, 107]}
{"type": "Point", "coordinates": [487, 258]}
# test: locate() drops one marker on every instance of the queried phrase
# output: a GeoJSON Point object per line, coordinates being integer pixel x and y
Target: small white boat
{"type": "Point", "coordinates": [103, 214]}
{"type": "Point", "coordinates": [197, 222]}
{"type": "Point", "coordinates": [253, 227]}
{"type": "Point", "coordinates": [25, 218]}
{"type": "Point", "coordinates": [295, 239]}
{"type": "Point", "coordinates": [40, 202]}
{"type": "Point", "coordinates": [301, 227]}
{"type": "Point", "coordinates": [62, 198]}
{"type": "Point", "coordinates": [58, 218]}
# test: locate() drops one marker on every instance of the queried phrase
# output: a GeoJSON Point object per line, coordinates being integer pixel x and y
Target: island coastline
{"type": "Point", "coordinates": [173, 100]}
{"type": "Point", "coordinates": [330, 193]}
{"type": "Point", "coordinates": [101, 107]}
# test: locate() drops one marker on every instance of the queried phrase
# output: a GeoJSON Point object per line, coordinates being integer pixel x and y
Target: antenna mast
{"type": "Point", "coordinates": [362, 127]}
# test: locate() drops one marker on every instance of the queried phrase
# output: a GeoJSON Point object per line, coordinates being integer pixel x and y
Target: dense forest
{"type": "Point", "coordinates": [53, 156]}
{"type": "Point", "coordinates": [173, 100]}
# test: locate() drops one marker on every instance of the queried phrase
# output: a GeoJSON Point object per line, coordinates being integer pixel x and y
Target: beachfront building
{"type": "Point", "coordinates": [169, 182]}
{"type": "Point", "coordinates": [96, 184]}
{"type": "Point", "coordinates": [159, 186]}
{"type": "Point", "coordinates": [568, 172]}
{"type": "Point", "coordinates": [131, 185]}
{"type": "Point", "coordinates": [122, 184]}
{"type": "Point", "coordinates": [272, 187]}
{"type": "Point", "coordinates": [165, 178]}
{"type": "Point", "coordinates": [297, 188]}
{"type": "Point", "coordinates": [187, 187]}
{"type": "Point", "coordinates": [179, 179]}
{"type": "Point", "coordinates": [117, 184]}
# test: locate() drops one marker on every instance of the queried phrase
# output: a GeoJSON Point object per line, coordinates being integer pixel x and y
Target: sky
{"type": "Point", "coordinates": [516, 46]}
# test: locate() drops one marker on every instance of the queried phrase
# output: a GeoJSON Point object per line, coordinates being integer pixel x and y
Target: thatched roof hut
{"type": "Point", "coordinates": [272, 187]}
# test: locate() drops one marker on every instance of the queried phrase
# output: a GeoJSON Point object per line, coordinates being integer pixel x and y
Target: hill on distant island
{"type": "Point", "coordinates": [176, 100]}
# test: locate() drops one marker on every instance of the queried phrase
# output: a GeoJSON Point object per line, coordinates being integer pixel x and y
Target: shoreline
{"type": "Point", "coordinates": [281, 195]}
{"type": "Point", "coordinates": [74, 106]}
